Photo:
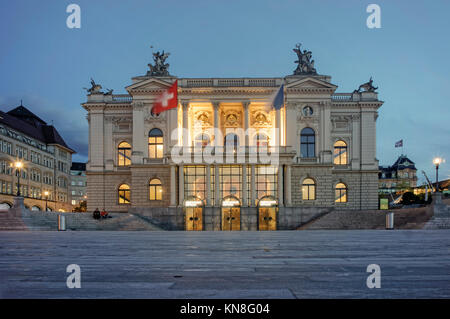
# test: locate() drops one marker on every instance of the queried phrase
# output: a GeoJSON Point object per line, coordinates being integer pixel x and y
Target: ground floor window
{"type": "Point", "coordinates": [341, 193]}
{"type": "Point", "coordinates": [308, 189]}
{"type": "Point", "coordinates": [155, 189]}
{"type": "Point", "coordinates": [195, 181]}
{"type": "Point", "coordinates": [230, 180]}
{"type": "Point", "coordinates": [124, 194]}
{"type": "Point", "coordinates": [266, 182]}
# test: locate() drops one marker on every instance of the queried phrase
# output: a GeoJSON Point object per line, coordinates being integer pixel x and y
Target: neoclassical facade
{"type": "Point", "coordinates": [194, 167]}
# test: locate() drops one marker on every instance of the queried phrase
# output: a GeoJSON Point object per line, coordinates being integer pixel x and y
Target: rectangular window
{"type": "Point", "coordinates": [230, 179]}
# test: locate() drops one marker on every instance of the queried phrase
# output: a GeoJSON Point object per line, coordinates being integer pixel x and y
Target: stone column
{"type": "Point", "coordinates": [96, 130]}
{"type": "Point", "coordinates": [139, 141]}
{"type": "Point", "coordinates": [246, 122]}
{"type": "Point", "coordinates": [280, 186]}
{"type": "Point", "coordinates": [173, 193]}
{"type": "Point", "coordinates": [252, 186]}
{"type": "Point", "coordinates": [277, 128]}
{"type": "Point", "coordinates": [181, 184]}
{"type": "Point", "coordinates": [186, 137]}
{"type": "Point", "coordinates": [288, 186]}
{"type": "Point", "coordinates": [216, 105]}
{"type": "Point", "coordinates": [217, 185]}
{"type": "Point", "coordinates": [109, 147]}
{"type": "Point", "coordinates": [244, 185]}
{"type": "Point", "coordinates": [208, 185]}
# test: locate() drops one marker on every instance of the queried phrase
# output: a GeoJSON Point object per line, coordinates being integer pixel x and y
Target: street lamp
{"type": "Point", "coordinates": [436, 162]}
{"type": "Point", "coordinates": [18, 165]}
{"type": "Point", "coordinates": [46, 198]}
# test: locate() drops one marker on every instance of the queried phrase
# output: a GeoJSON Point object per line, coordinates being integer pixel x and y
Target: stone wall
{"type": "Point", "coordinates": [141, 176]}
{"type": "Point", "coordinates": [103, 190]}
{"type": "Point", "coordinates": [411, 218]}
{"type": "Point", "coordinates": [362, 188]}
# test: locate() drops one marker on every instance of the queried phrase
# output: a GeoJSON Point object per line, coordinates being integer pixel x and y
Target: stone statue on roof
{"type": "Point", "coordinates": [367, 87]}
{"type": "Point", "coordinates": [159, 68]}
{"type": "Point", "coordinates": [305, 62]}
{"type": "Point", "coordinates": [95, 88]}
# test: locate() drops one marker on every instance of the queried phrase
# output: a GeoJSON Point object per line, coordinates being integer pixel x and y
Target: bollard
{"type": "Point", "coordinates": [390, 220]}
{"type": "Point", "coordinates": [61, 222]}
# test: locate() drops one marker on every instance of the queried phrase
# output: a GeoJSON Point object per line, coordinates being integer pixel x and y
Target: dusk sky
{"type": "Point", "coordinates": [46, 64]}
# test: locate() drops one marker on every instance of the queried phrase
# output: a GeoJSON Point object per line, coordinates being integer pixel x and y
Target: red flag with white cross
{"type": "Point", "coordinates": [167, 100]}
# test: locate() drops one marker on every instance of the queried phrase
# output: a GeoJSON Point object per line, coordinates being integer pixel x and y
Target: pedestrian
{"type": "Point", "coordinates": [96, 214]}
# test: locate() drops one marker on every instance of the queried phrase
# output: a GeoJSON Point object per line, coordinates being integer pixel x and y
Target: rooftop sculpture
{"type": "Point", "coordinates": [159, 68]}
{"type": "Point", "coordinates": [366, 87]}
{"type": "Point", "coordinates": [95, 88]}
{"type": "Point", "coordinates": [305, 63]}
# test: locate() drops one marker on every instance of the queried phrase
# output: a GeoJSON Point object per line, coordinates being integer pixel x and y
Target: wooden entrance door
{"type": "Point", "coordinates": [194, 218]}
{"type": "Point", "coordinates": [267, 218]}
{"type": "Point", "coordinates": [231, 218]}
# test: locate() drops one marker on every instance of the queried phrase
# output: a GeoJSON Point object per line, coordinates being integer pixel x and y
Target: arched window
{"type": "Point", "coordinates": [155, 189]}
{"type": "Point", "coordinates": [340, 153]}
{"type": "Point", "coordinates": [124, 194]}
{"type": "Point", "coordinates": [261, 140]}
{"type": "Point", "coordinates": [155, 143]}
{"type": "Point", "coordinates": [201, 140]}
{"type": "Point", "coordinates": [124, 154]}
{"type": "Point", "coordinates": [308, 189]}
{"type": "Point", "coordinates": [231, 141]}
{"type": "Point", "coordinates": [307, 143]}
{"type": "Point", "coordinates": [341, 193]}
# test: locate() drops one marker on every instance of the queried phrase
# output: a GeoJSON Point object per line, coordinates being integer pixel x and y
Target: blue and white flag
{"type": "Point", "coordinates": [276, 101]}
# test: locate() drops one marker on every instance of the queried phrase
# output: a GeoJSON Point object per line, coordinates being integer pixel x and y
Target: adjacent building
{"type": "Point", "coordinates": [78, 183]}
{"type": "Point", "coordinates": [45, 159]}
{"type": "Point", "coordinates": [316, 152]}
{"type": "Point", "coordinates": [401, 176]}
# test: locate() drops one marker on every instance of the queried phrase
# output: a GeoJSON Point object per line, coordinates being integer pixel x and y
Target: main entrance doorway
{"type": "Point", "coordinates": [231, 213]}
{"type": "Point", "coordinates": [267, 213]}
{"type": "Point", "coordinates": [193, 213]}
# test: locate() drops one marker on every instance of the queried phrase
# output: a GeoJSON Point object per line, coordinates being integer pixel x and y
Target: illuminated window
{"type": "Point", "coordinates": [308, 189]}
{"type": "Point", "coordinates": [202, 140]}
{"type": "Point", "coordinates": [266, 182]}
{"type": "Point", "coordinates": [261, 140]}
{"type": "Point", "coordinates": [307, 143]}
{"type": "Point", "coordinates": [230, 179]}
{"type": "Point", "coordinates": [341, 193]}
{"type": "Point", "coordinates": [155, 189]}
{"type": "Point", "coordinates": [231, 141]}
{"type": "Point", "coordinates": [124, 194]}
{"type": "Point", "coordinates": [124, 154]}
{"type": "Point", "coordinates": [340, 153]}
{"type": "Point", "coordinates": [155, 143]}
{"type": "Point", "coordinates": [195, 181]}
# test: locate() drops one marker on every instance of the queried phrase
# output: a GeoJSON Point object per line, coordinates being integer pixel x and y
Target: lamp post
{"type": "Point", "coordinates": [46, 199]}
{"type": "Point", "coordinates": [436, 162]}
{"type": "Point", "coordinates": [18, 165]}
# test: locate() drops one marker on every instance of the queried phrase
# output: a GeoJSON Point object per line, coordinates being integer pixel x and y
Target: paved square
{"type": "Point", "coordinates": [283, 264]}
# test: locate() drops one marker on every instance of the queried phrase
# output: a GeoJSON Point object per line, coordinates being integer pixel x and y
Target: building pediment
{"type": "Point", "coordinates": [150, 85]}
{"type": "Point", "coordinates": [311, 83]}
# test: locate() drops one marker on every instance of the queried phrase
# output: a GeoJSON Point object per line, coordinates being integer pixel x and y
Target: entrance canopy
{"type": "Point", "coordinates": [193, 201]}
{"type": "Point", "coordinates": [268, 201]}
{"type": "Point", "coordinates": [231, 201]}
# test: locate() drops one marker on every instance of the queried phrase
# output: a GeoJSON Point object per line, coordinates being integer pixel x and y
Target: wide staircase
{"type": "Point", "coordinates": [411, 218]}
{"type": "Point", "coordinates": [10, 222]}
{"type": "Point", "coordinates": [32, 220]}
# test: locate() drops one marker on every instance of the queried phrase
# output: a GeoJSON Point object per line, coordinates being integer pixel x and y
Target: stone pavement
{"type": "Point", "coordinates": [282, 264]}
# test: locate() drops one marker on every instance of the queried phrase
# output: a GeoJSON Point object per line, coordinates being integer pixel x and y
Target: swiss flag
{"type": "Point", "coordinates": [167, 100]}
